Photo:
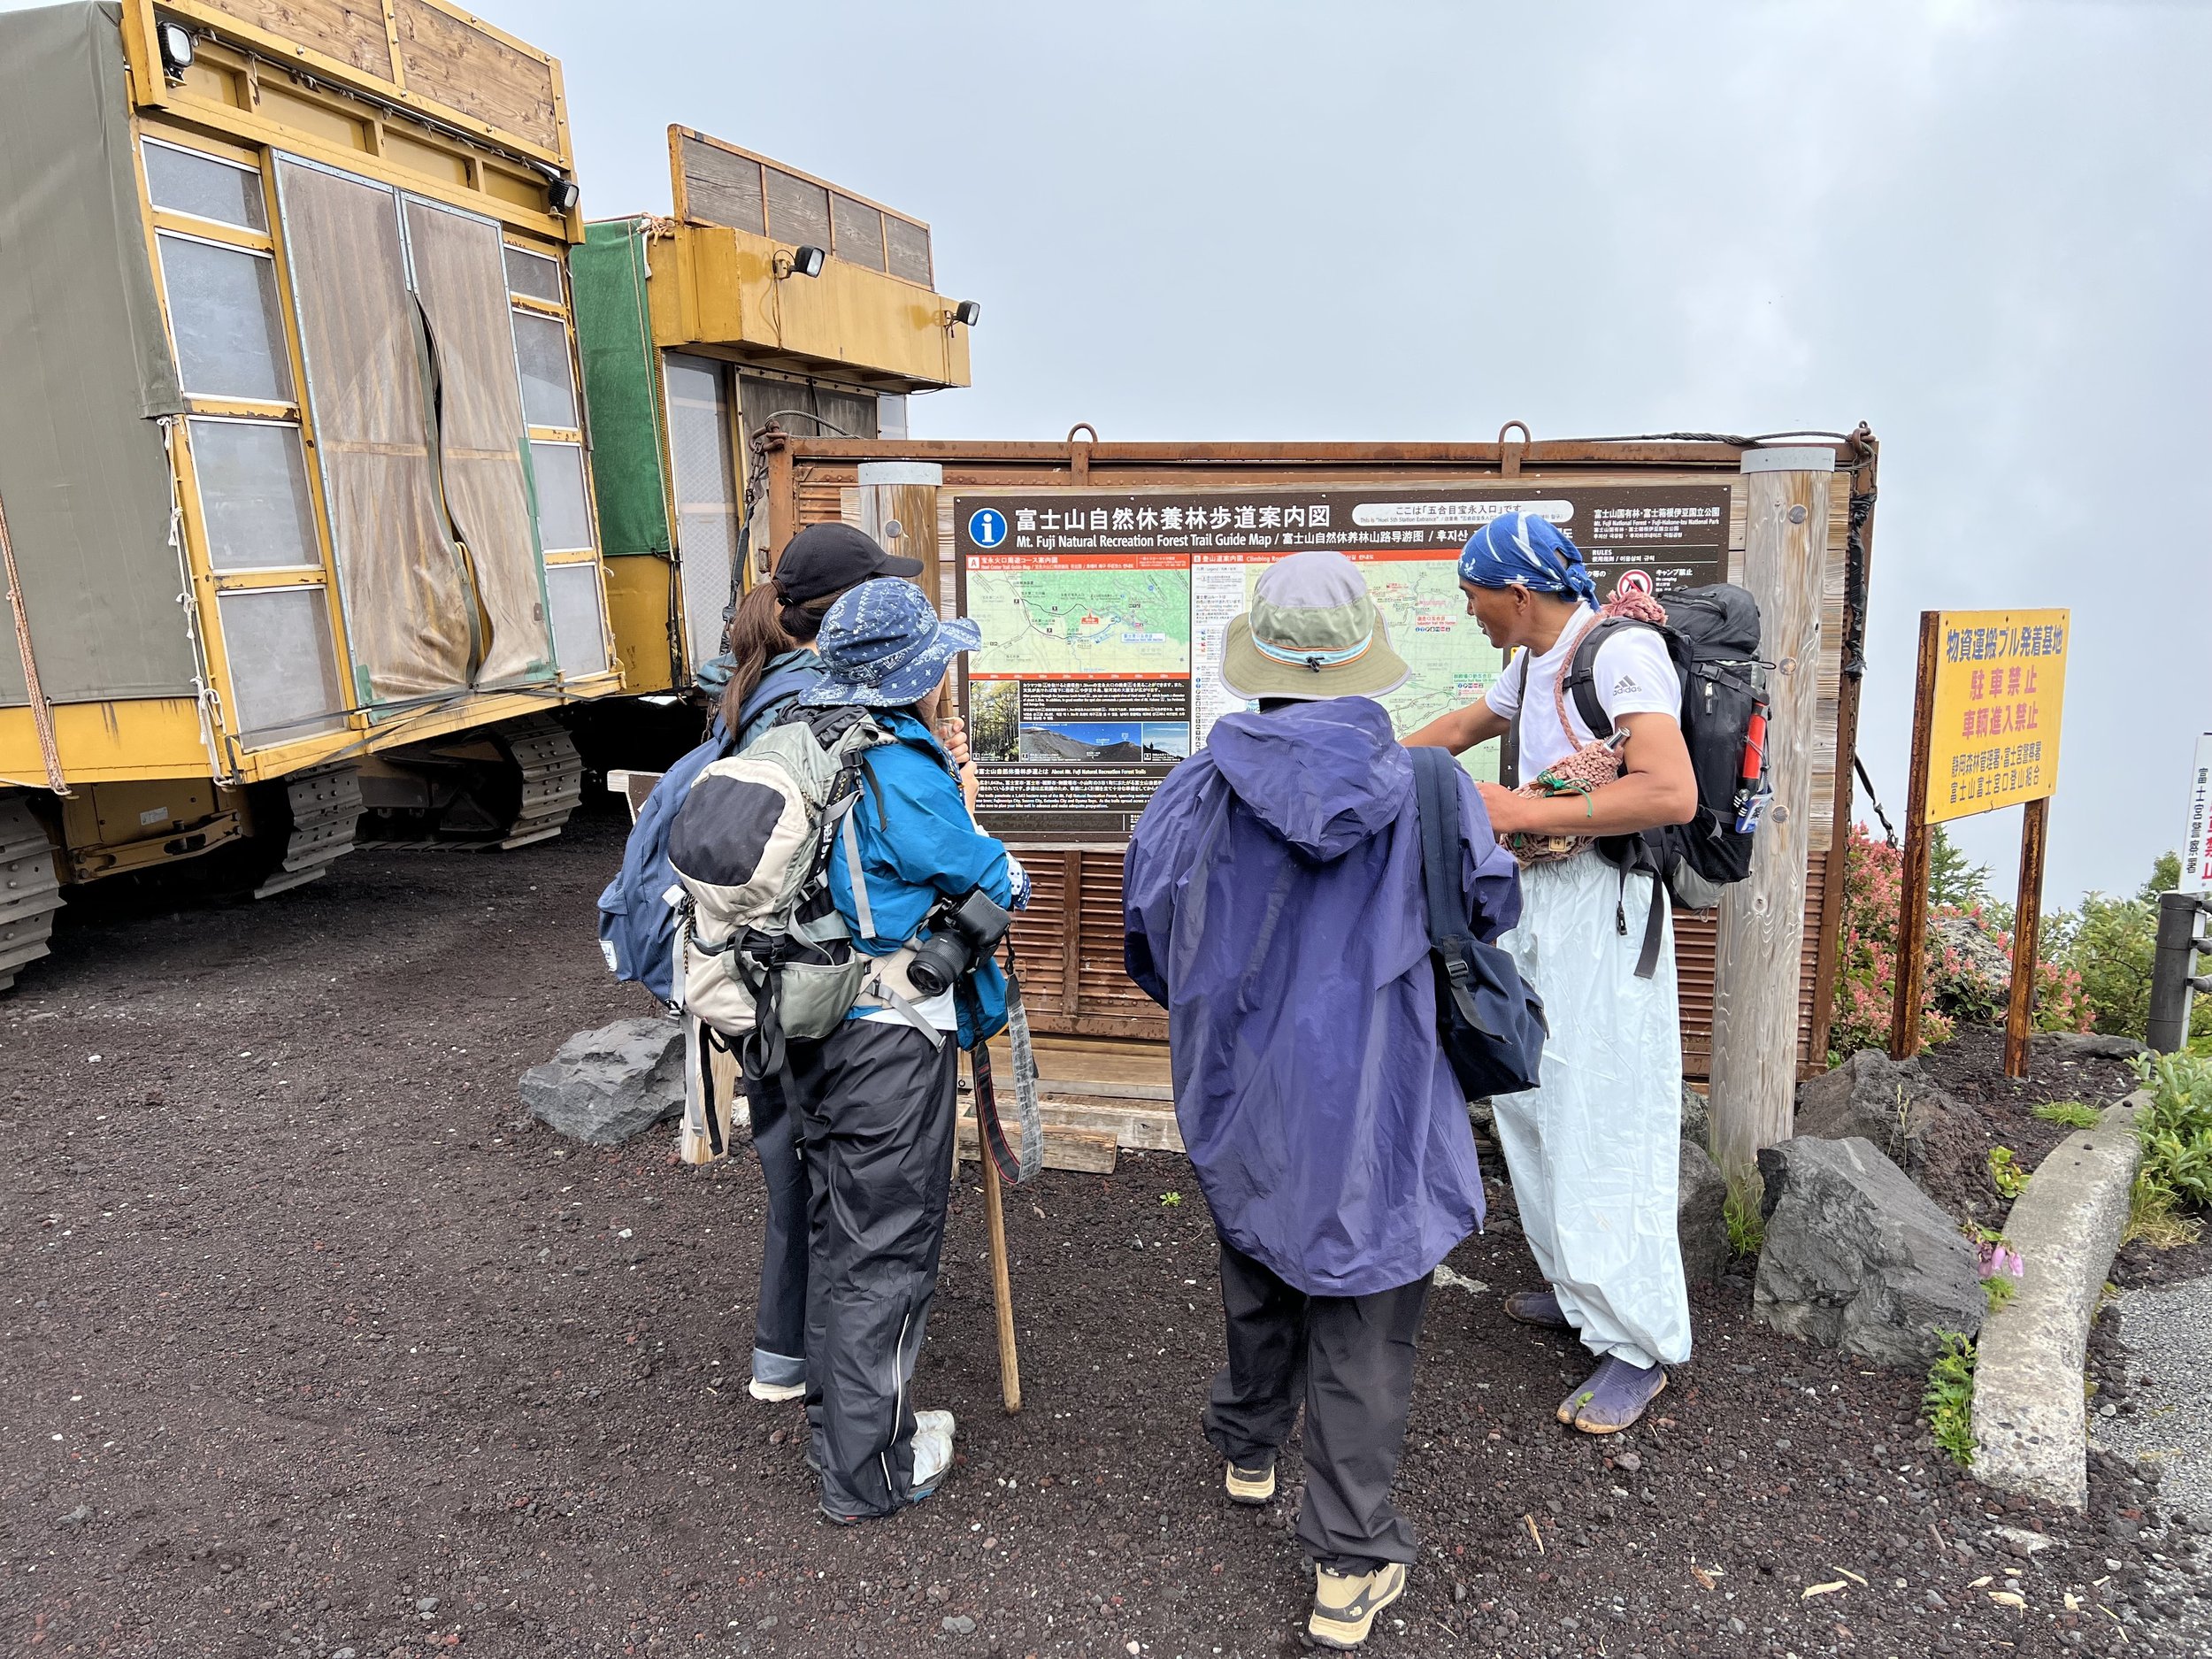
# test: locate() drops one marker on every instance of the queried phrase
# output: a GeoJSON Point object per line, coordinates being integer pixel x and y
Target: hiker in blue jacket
{"type": "Point", "coordinates": [770, 661]}
{"type": "Point", "coordinates": [875, 1098]}
{"type": "Point", "coordinates": [1276, 907]}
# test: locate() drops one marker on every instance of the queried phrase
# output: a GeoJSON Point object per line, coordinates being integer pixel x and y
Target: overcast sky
{"type": "Point", "coordinates": [1985, 229]}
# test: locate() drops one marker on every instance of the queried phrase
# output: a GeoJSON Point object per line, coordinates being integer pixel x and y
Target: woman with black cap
{"type": "Point", "coordinates": [769, 664]}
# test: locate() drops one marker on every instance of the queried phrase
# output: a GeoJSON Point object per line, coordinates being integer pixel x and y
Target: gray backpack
{"type": "Point", "coordinates": [761, 952]}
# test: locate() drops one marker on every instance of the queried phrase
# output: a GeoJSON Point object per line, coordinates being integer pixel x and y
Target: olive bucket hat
{"type": "Point", "coordinates": [1312, 632]}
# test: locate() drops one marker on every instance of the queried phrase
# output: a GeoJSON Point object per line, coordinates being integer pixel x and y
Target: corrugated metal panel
{"type": "Point", "coordinates": [1695, 946]}
{"type": "Point", "coordinates": [1039, 933]}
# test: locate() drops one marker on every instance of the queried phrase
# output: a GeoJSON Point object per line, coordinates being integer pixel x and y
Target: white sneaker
{"type": "Point", "coordinates": [933, 1451]}
{"type": "Point", "coordinates": [775, 1394]}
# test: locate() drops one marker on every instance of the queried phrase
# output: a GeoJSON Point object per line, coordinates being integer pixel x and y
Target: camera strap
{"type": "Point", "coordinates": [1017, 1161]}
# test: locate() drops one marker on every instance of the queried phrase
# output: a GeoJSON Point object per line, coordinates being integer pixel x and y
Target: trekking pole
{"type": "Point", "coordinates": [1010, 1368]}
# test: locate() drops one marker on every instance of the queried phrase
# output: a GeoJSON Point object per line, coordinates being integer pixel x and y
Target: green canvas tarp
{"type": "Point", "coordinates": [85, 373]}
{"type": "Point", "coordinates": [614, 333]}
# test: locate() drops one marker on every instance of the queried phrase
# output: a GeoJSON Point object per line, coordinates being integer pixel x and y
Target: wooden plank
{"type": "Point", "coordinates": [1850, 643]}
{"type": "Point", "coordinates": [1139, 1128]}
{"type": "Point", "coordinates": [347, 31]}
{"type": "Point", "coordinates": [1088, 1151]}
{"type": "Point", "coordinates": [1912, 921]}
{"type": "Point", "coordinates": [716, 187]}
{"type": "Point", "coordinates": [2027, 922]}
{"type": "Point", "coordinates": [450, 58]}
{"type": "Point", "coordinates": [1010, 1369]}
{"type": "Point", "coordinates": [1758, 970]}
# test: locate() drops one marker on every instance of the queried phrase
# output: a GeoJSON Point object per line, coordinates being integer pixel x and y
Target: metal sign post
{"type": "Point", "coordinates": [1986, 716]}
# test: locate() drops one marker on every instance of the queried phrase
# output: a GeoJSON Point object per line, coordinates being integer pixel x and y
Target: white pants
{"type": "Point", "coordinates": [1594, 1153]}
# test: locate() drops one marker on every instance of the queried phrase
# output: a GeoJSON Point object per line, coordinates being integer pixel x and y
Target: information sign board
{"type": "Point", "coordinates": [2000, 690]}
{"type": "Point", "coordinates": [2196, 852]}
{"type": "Point", "coordinates": [1105, 615]}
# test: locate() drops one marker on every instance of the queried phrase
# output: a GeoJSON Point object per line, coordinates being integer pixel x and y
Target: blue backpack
{"type": "Point", "coordinates": [637, 924]}
{"type": "Point", "coordinates": [1489, 1020]}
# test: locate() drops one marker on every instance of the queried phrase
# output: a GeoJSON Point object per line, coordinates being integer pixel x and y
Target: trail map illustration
{"type": "Point", "coordinates": [1105, 615]}
{"type": "Point", "coordinates": [1081, 621]}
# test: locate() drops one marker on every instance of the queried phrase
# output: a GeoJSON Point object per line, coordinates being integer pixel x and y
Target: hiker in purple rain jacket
{"type": "Point", "coordinates": [1275, 909]}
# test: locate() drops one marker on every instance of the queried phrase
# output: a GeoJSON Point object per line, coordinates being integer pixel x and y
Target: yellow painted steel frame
{"type": "Point", "coordinates": [219, 109]}
{"type": "Point", "coordinates": [712, 286]}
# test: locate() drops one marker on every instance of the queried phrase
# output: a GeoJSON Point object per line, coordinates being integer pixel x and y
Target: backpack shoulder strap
{"type": "Point", "coordinates": [1510, 750]}
{"type": "Point", "coordinates": [1436, 806]}
{"type": "Point", "coordinates": [1580, 682]}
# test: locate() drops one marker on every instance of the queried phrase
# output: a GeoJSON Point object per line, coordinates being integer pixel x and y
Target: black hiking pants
{"type": "Point", "coordinates": [875, 1112]}
{"type": "Point", "coordinates": [780, 1323]}
{"type": "Point", "coordinates": [1350, 1360]}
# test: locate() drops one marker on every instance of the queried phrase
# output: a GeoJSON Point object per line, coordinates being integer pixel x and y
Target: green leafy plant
{"type": "Point", "coordinates": [2005, 1173]}
{"type": "Point", "coordinates": [2072, 1113]}
{"type": "Point", "coordinates": [1953, 878]}
{"type": "Point", "coordinates": [2000, 1289]}
{"type": "Point", "coordinates": [2110, 943]}
{"type": "Point", "coordinates": [1948, 1402]}
{"type": "Point", "coordinates": [1169, 1201]}
{"type": "Point", "coordinates": [1739, 1211]}
{"type": "Point", "coordinates": [2175, 1134]}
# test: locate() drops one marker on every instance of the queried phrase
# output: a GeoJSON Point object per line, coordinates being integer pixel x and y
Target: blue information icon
{"type": "Point", "coordinates": [986, 526]}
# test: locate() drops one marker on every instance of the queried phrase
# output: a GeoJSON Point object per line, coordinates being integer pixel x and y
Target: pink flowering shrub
{"type": "Point", "coordinates": [1968, 970]}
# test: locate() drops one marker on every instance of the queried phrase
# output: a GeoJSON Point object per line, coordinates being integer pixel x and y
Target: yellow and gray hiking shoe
{"type": "Point", "coordinates": [1344, 1603]}
{"type": "Point", "coordinates": [1253, 1479]}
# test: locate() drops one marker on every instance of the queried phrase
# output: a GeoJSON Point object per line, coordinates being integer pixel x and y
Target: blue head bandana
{"type": "Point", "coordinates": [1516, 548]}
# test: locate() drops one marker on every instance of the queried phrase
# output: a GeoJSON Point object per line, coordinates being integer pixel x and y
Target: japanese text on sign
{"type": "Point", "coordinates": [1105, 615]}
{"type": "Point", "coordinates": [2000, 689]}
{"type": "Point", "coordinates": [2196, 852]}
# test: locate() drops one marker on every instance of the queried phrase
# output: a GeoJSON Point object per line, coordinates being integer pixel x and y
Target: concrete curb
{"type": "Point", "coordinates": [2030, 1415]}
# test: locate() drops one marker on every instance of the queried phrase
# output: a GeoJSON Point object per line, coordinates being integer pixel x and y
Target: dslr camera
{"type": "Point", "coordinates": [963, 932]}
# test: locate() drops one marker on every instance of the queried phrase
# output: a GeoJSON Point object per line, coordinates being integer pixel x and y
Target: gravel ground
{"type": "Point", "coordinates": [308, 1348]}
{"type": "Point", "coordinates": [2167, 1334]}
{"type": "Point", "coordinates": [2159, 1412]}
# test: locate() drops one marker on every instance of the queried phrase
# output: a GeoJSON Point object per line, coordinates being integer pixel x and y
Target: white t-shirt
{"type": "Point", "coordinates": [1633, 674]}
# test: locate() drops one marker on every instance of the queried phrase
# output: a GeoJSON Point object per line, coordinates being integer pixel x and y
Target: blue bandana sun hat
{"type": "Point", "coordinates": [883, 645]}
{"type": "Point", "coordinates": [1312, 632]}
{"type": "Point", "coordinates": [1517, 550]}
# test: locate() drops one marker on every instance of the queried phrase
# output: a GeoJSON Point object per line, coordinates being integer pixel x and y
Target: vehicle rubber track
{"type": "Point", "coordinates": [325, 807]}
{"type": "Point", "coordinates": [552, 777]}
{"type": "Point", "coordinates": [30, 889]}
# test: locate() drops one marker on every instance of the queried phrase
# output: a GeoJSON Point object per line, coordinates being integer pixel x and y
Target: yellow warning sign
{"type": "Point", "coordinates": [2000, 691]}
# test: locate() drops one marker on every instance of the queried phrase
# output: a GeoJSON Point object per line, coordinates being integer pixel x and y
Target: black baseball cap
{"type": "Point", "coordinates": [828, 558]}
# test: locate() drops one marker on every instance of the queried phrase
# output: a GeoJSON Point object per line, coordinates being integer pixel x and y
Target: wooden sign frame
{"type": "Point", "coordinates": [1910, 995]}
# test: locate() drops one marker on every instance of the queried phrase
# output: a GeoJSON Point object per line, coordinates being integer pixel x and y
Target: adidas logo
{"type": "Point", "coordinates": [1627, 682]}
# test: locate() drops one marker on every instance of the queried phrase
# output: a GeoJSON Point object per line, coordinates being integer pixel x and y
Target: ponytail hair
{"type": "Point", "coordinates": [757, 634]}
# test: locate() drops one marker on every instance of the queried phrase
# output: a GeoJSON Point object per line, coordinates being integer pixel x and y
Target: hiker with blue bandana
{"type": "Point", "coordinates": [1592, 1151]}
{"type": "Point", "coordinates": [875, 1098]}
{"type": "Point", "coordinates": [1276, 907]}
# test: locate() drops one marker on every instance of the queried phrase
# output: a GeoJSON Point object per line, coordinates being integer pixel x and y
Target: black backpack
{"type": "Point", "coordinates": [1713, 635]}
{"type": "Point", "coordinates": [1489, 1020]}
